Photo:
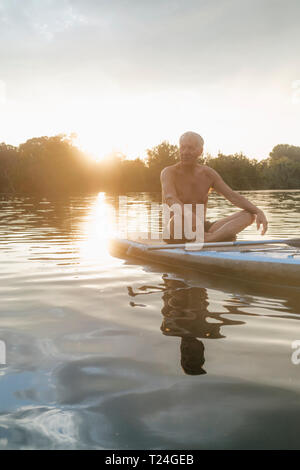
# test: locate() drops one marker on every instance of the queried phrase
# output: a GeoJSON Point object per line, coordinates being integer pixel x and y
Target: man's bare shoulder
{"type": "Point", "coordinates": [171, 169]}
{"type": "Point", "coordinates": [209, 171]}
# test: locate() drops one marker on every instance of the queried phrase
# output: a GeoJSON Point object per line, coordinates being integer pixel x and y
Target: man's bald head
{"type": "Point", "coordinates": [193, 137]}
{"type": "Point", "coordinates": [190, 148]}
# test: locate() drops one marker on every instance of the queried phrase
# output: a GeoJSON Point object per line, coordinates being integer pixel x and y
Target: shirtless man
{"type": "Point", "coordinates": [188, 182]}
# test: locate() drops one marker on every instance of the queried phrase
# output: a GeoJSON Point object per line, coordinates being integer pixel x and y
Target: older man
{"type": "Point", "coordinates": [189, 182]}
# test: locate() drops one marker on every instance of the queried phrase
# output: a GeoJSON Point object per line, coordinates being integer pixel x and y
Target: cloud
{"type": "Point", "coordinates": [154, 44]}
{"type": "Point", "coordinates": [230, 58]}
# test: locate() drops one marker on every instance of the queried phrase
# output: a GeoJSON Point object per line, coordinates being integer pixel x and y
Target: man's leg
{"type": "Point", "coordinates": [228, 227]}
{"type": "Point", "coordinates": [223, 230]}
{"type": "Point", "coordinates": [172, 230]}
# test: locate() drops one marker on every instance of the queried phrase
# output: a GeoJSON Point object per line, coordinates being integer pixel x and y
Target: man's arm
{"type": "Point", "coordinates": [168, 188]}
{"type": "Point", "coordinates": [238, 200]}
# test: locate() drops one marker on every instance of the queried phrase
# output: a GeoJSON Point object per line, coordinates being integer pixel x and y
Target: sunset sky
{"type": "Point", "coordinates": [125, 75]}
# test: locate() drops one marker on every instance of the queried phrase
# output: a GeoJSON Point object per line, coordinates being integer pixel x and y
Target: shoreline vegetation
{"type": "Point", "coordinates": [51, 165]}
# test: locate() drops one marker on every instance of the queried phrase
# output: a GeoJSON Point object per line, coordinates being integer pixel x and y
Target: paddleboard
{"type": "Point", "coordinates": [273, 264]}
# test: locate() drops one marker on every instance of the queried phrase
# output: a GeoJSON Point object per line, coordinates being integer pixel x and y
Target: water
{"type": "Point", "coordinates": [103, 353]}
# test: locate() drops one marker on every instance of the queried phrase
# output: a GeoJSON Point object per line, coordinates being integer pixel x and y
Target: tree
{"type": "Point", "coordinates": [8, 167]}
{"type": "Point", "coordinates": [110, 171]}
{"type": "Point", "coordinates": [290, 152]}
{"type": "Point", "coordinates": [237, 170]}
{"type": "Point", "coordinates": [158, 158]}
{"type": "Point", "coordinates": [47, 165]}
{"type": "Point", "coordinates": [283, 173]}
{"type": "Point", "coordinates": [53, 164]}
{"type": "Point", "coordinates": [134, 175]}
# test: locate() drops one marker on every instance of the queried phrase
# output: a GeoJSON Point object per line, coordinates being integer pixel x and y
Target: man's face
{"type": "Point", "coordinates": [190, 149]}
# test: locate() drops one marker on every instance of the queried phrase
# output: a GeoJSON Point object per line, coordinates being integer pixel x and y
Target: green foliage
{"type": "Point", "coordinates": [283, 173]}
{"type": "Point", "coordinates": [133, 175]}
{"type": "Point", "coordinates": [45, 165]}
{"type": "Point", "coordinates": [162, 155]}
{"type": "Point", "coordinates": [290, 152]}
{"type": "Point", "coordinates": [8, 166]}
{"type": "Point", "coordinates": [110, 173]}
{"type": "Point", "coordinates": [282, 169]}
{"type": "Point", "coordinates": [237, 170]}
{"type": "Point", "coordinates": [158, 158]}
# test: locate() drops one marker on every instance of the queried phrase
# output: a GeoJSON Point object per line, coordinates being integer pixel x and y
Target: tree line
{"type": "Point", "coordinates": [52, 165]}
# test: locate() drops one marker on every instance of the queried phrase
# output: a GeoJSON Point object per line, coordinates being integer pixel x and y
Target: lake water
{"type": "Point", "coordinates": [105, 353]}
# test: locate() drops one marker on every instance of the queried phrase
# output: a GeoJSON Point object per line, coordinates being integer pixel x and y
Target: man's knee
{"type": "Point", "coordinates": [250, 218]}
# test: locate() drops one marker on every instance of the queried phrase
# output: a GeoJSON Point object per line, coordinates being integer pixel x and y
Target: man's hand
{"type": "Point", "coordinates": [261, 220]}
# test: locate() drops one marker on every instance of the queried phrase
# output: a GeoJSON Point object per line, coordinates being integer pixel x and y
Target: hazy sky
{"type": "Point", "coordinates": [127, 74]}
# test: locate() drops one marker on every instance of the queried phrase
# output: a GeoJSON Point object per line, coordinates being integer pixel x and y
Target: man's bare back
{"type": "Point", "coordinates": [189, 182]}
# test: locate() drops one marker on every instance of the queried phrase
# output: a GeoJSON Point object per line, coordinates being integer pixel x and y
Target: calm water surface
{"type": "Point", "coordinates": [104, 353]}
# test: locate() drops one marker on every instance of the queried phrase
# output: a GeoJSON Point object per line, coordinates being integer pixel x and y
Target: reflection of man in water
{"type": "Point", "coordinates": [185, 315]}
{"type": "Point", "coordinates": [192, 356]}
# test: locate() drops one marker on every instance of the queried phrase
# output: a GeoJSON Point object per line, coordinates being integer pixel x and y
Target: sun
{"type": "Point", "coordinates": [90, 144]}
{"type": "Point", "coordinates": [125, 123]}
